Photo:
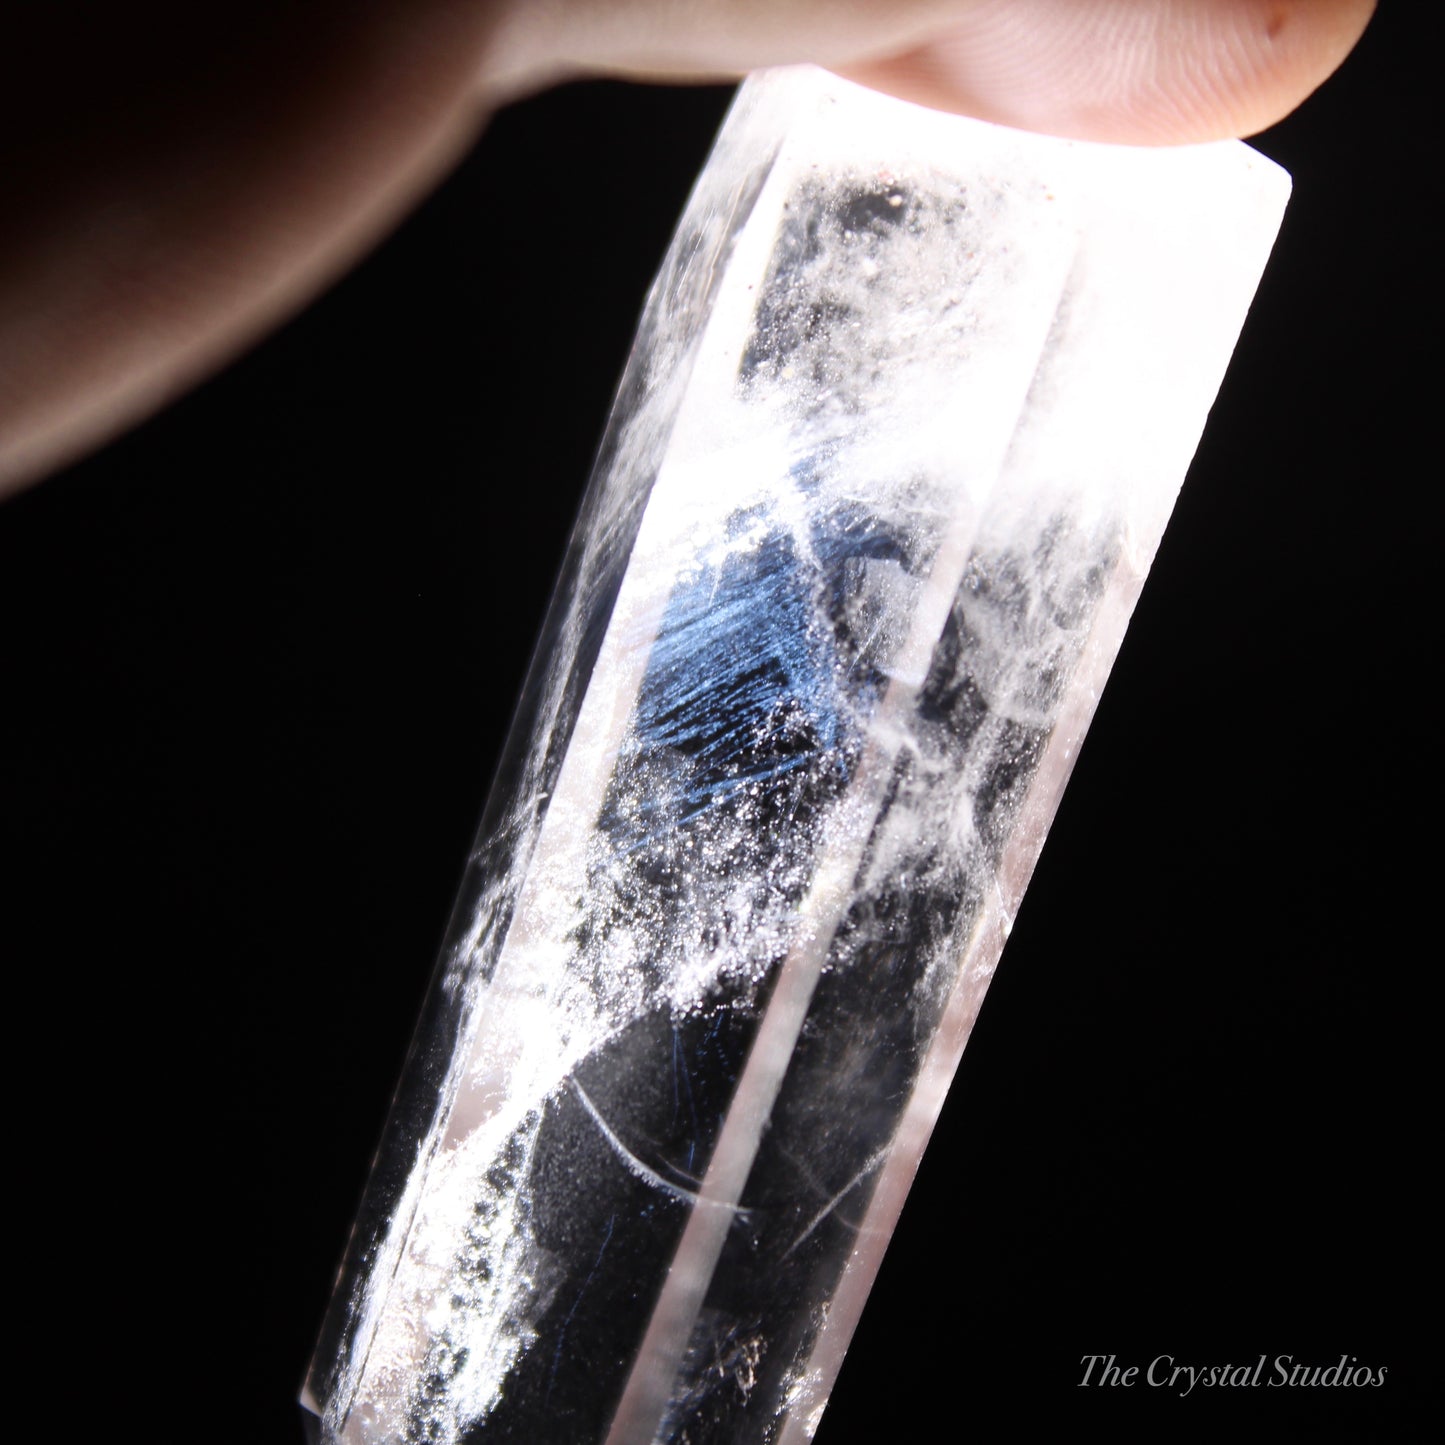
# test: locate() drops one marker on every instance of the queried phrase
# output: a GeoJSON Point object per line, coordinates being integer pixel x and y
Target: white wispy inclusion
{"type": "Point", "coordinates": [906, 416]}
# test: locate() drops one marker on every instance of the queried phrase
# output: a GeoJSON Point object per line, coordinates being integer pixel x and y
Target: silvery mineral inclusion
{"type": "Point", "coordinates": [907, 412]}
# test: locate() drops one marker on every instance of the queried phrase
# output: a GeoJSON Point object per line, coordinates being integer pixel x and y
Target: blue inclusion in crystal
{"type": "Point", "coordinates": [742, 688]}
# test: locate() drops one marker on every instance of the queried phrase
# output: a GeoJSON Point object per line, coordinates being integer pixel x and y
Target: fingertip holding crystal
{"type": "Point", "coordinates": [908, 409]}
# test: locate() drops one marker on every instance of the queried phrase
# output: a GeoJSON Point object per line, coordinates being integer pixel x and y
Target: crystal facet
{"type": "Point", "coordinates": [905, 418]}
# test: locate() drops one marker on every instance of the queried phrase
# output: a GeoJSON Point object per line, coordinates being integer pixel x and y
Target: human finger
{"type": "Point", "coordinates": [1137, 71]}
{"type": "Point", "coordinates": [180, 181]}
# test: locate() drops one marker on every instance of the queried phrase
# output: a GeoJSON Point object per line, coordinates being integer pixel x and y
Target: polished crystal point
{"type": "Point", "coordinates": [905, 418]}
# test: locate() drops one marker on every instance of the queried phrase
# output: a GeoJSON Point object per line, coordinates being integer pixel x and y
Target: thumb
{"type": "Point", "coordinates": [1141, 71]}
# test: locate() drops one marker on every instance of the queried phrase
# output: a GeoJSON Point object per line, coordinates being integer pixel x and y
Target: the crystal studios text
{"type": "Point", "coordinates": [1167, 1372]}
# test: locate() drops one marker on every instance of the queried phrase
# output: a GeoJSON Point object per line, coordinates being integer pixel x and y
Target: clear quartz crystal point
{"type": "Point", "coordinates": [905, 418]}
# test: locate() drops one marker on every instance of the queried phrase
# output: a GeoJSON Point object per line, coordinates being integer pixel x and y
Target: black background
{"type": "Point", "coordinates": [259, 657]}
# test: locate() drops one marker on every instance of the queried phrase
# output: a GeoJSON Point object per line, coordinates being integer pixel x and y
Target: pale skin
{"type": "Point", "coordinates": [180, 183]}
